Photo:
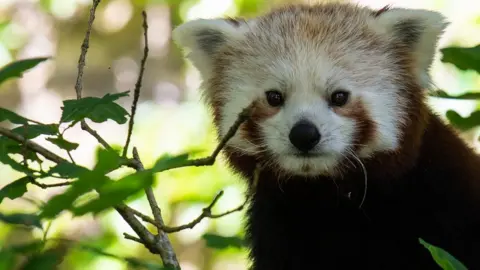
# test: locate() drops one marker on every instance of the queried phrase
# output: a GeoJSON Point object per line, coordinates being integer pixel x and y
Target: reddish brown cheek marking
{"type": "Point", "coordinates": [260, 112]}
{"type": "Point", "coordinates": [365, 127]}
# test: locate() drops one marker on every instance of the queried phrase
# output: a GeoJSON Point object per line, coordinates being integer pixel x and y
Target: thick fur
{"type": "Point", "coordinates": [386, 172]}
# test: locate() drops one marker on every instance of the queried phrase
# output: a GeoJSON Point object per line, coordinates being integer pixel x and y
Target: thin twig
{"type": "Point", "coordinates": [142, 216]}
{"type": "Point", "coordinates": [206, 213]}
{"type": "Point", "coordinates": [133, 238]}
{"type": "Point", "coordinates": [32, 146]}
{"type": "Point", "coordinates": [95, 134]}
{"type": "Point", "coordinates": [210, 160]}
{"type": "Point", "coordinates": [45, 186]}
{"type": "Point", "coordinates": [156, 211]}
{"type": "Point", "coordinates": [81, 66]}
{"type": "Point", "coordinates": [138, 84]}
{"type": "Point", "coordinates": [84, 50]}
{"type": "Point", "coordinates": [167, 253]}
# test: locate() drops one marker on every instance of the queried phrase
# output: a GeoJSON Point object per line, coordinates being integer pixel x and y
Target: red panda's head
{"type": "Point", "coordinates": [329, 83]}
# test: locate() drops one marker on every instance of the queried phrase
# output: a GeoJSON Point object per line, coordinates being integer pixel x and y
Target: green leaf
{"type": "Point", "coordinates": [48, 260]}
{"type": "Point", "coordinates": [466, 96]}
{"type": "Point", "coordinates": [63, 144]}
{"type": "Point", "coordinates": [12, 117]}
{"type": "Point", "coordinates": [68, 170]}
{"type": "Point", "coordinates": [463, 123]}
{"type": "Point", "coordinates": [107, 161]}
{"type": "Point", "coordinates": [464, 58]}
{"type": "Point", "coordinates": [222, 242]}
{"type": "Point", "coordinates": [33, 131]}
{"type": "Point", "coordinates": [15, 189]}
{"type": "Point", "coordinates": [9, 146]}
{"type": "Point", "coordinates": [17, 68]}
{"type": "Point", "coordinates": [7, 260]}
{"type": "Point", "coordinates": [443, 258]}
{"type": "Point", "coordinates": [96, 109]}
{"type": "Point", "coordinates": [87, 182]}
{"type": "Point", "coordinates": [24, 219]}
{"type": "Point", "coordinates": [166, 162]}
{"type": "Point", "coordinates": [115, 192]}
{"type": "Point", "coordinates": [29, 247]}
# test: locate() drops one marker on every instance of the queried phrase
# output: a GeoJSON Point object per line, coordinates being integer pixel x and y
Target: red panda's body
{"type": "Point", "coordinates": [353, 166]}
{"type": "Point", "coordinates": [306, 224]}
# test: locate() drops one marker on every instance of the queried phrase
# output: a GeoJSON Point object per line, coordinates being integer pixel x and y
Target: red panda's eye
{"type": "Point", "coordinates": [339, 98]}
{"type": "Point", "coordinates": [274, 98]}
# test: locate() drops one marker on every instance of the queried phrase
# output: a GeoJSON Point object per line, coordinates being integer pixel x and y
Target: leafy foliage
{"type": "Point", "coordinates": [12, 117]}
{"type": "Point", "coordinates": [464, 123]}
{"type": "Point", "coordinates": [223, 242]}
{"type": "Point", "coordinates": [15, 189]}
{"type": "Point", "coordinates": [96, 109]}
{"type": "Point", "coordinates": [63, 144]}
{"type": "Point", "coordinates": [443, 258]}
{"type": "Point", "coordinates": [17, 68]}
{"type": "Point", "coordinates": [22, 219]}
{"type": "Point", "coordinates": [462, 58]}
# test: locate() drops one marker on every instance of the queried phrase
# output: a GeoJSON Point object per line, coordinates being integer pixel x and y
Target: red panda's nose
{"type": "Point", "coordinates": [304, 135]}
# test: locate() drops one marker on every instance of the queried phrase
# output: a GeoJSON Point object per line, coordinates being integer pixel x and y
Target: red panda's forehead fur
{"type": "Point", "coordinates": [343, 35]}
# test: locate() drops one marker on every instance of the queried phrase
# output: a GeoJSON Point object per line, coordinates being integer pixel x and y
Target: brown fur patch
{"type": "Point", "coordinates": [357, 111]}
{"type": "Point", "coordinates": [260, 111]}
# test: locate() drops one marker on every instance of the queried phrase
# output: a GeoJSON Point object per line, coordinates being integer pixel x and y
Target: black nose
{"type": "Point", "coordinates": [304, 136]}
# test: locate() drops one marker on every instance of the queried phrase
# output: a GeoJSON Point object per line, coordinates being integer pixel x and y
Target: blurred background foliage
{"type": "Point", "coordinates": [170, 117]}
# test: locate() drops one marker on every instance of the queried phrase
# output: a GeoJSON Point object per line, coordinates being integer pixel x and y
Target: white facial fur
{"type": "Point", "coordinates": [280, 52]}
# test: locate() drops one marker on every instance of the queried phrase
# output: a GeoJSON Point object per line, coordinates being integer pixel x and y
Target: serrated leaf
{"type": "Point", "coordinates": [96, 109]}
{"type": "Point", "coordinates": [463, 123]}
{"type": "Point", "coordinates": [63, 144]}
{"type": "Point", "coordinates": [166, 162]}
{"type": "Point", "coordinates": [15, 189]}
{"type": "Point", "coordinates": [68, 170]}
{"type": "Point", "coordinates": [87, 182]}
{"type": "Point", "coordinates": [223, 242]}
{"type": "Point", "coordinates": [32, 131]}
{"type": "Point", "coordinates": [443, 258]}
{"type": "Point", "coordinates": [12, 117]}
{"type": "Point", "coordinates": [23, 219]}
{"type": "Point", "coordinates": [466, 96]}
{"type": "Point", "coordinates": [17, 68]}
{"type": "Point", "coordinates": [464, 58]}
{"type": "Point", "coordinates": [115, 192]}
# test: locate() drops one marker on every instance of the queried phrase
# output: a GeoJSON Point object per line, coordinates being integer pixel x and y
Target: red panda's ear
{"type": "Point", "coordinates": [419, 30]}
{"type": "Point", "coordinates": [204, 37]}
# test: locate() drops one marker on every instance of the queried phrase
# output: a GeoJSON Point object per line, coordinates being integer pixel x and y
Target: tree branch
{"type": "Point", "coordinates": [138, 84]}
{"type": "Point", "coordinates": [95, 134]}
{"type": "Point", "coordinates": [81, 66]}
{"type": "Point", "coordinates": [32, 146]}
{"type": "Point", "coordinates": [45, 186]}
{"type": "Point", "coordinates": [206, 213]}
{"type": "Point", "coordinates": [210, 160]}
{"type": "Point", "coordinates": [167, 253]}
{"type": "Point", "coordinates": [84, 50]}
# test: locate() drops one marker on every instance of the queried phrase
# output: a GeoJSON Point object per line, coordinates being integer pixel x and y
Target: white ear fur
{"type": "Point", "coordinates": [204, 37]}
{"type": "Point", "coordinates": [420, 30]}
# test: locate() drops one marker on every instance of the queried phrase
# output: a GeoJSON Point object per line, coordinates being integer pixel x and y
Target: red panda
{"type": "Point", "coordinates": [353, 166]}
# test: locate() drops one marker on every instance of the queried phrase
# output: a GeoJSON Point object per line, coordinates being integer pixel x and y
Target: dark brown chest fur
{"type": "Point", "coordinates": [317, 224]}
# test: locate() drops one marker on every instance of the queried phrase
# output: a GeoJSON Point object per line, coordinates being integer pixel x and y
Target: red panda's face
{"type": "Point", "coordinates": [324, 81]}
